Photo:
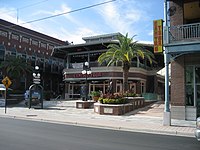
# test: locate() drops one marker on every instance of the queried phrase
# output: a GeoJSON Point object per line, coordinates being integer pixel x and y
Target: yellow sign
{"type": "Point", "coordinates": [158, 35]}
{"type": "Point", "coordinates": [6, 81]}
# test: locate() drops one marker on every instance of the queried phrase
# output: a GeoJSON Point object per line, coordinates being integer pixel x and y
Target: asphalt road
{"type": "Point", "coordinates": [32, 135]}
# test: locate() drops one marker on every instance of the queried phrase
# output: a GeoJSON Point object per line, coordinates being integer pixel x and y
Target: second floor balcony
{"type": "Point", "coordinates": [184, 33]}
{"type": "Point", "coordinates": [183, 38]}
{"type": "Point", "coordinates": [96, 64]}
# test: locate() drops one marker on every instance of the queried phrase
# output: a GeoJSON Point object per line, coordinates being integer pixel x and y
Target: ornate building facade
{"type": "Point", "coordinates": [36, 49]}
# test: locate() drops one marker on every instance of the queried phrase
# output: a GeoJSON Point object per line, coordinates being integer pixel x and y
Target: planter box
{"type": "Point", "coordinates": [84, 104]}
{"type": "Point", "coordinates": [137, 102]}
{"type": "Point", "coordinates": [119, 109]}
{"type": "Point", "coordinates": [111, 109]}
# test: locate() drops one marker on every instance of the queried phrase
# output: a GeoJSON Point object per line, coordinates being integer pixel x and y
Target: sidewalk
{"type": "Point", "coordinates": [148, 119]}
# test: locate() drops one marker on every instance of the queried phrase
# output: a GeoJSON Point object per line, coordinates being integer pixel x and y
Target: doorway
{"type": "Point", "coordinates": [197, 90]}
{"type": "Point", "coordinates": [192, 91]}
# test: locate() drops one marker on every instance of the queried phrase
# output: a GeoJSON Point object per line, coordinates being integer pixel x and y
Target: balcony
{"type": "Point", "coordinates": [96, 64]}
{"type": "Point", "coordinates": [183, 38]}
{"type": "Point", "coordinates": [184, 33]}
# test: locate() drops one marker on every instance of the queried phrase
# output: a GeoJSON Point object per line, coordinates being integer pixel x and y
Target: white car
{"type": "Point", "coordinates": [197, 131]}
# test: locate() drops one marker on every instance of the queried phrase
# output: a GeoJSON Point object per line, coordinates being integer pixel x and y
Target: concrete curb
{"type": "Point", "coordinates": [151, 131]}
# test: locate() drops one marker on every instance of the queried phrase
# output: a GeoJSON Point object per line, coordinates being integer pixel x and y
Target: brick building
{"type": "Point", "coordinates": [36, 49]}
{"type": "Point", "coordinates": [143, 77]}
{"type": "Point", "coordinates": [183, 46]}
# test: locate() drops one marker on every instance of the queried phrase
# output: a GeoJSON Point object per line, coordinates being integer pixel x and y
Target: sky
{"type": "Point", "coordinates": [134, 17]}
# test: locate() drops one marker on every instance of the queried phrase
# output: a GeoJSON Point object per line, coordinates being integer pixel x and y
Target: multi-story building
{"type": "Point", "coordinates": [36, 49]}
{"type": "Point", "coordinates": [183, 46]}
{"type": "Point", "coordinates": [143, 77]}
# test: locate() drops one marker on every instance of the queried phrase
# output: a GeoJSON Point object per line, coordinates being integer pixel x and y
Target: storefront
{"type": "Point", "coordinates": [142, 78]}
{"type": "Point", "coordinates": [185, 84]}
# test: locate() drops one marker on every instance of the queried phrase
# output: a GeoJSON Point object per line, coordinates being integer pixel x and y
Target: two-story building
{"type": "Point", "coordinates": [183, 46]}
{"type": "Point", "coordinates": [36, 49]}
{"type": "Point", "coordinates": [143, 77]}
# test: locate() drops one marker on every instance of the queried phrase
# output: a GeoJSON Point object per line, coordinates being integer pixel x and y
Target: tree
{"type": "Point", "coordinates": [125, 51]}
{"type": "Point", "coordinates": [15, 68]}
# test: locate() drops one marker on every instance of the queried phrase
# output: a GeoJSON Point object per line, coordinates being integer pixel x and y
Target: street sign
{"type": "Point", "coordinates": [6, 81]}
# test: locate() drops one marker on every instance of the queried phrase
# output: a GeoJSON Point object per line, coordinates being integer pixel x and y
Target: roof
{"type": "Point", "coordinates": [22, 30]}
{"type": "Point", "coordinates": [62, 51]}
{"type": "Point", "coordinates": [99, 42]}
{"type": "Point", "coordinates": [101, 36]}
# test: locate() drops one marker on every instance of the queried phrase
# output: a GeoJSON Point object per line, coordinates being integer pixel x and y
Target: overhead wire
{"type": "Point", "coordinates": [69, 12]}
{"type": "Point", "coordinates": [60, 14]}
{"type": "Point", "coordinates": [83, 8]}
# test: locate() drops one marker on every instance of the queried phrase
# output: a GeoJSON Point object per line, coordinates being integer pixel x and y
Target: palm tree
{"type": "Point", "coordinates": [15, 68]}
{"type": "Point", "coordinates": [125, 51]}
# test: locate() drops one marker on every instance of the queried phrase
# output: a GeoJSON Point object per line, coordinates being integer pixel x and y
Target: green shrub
{"type": "Point", "coordinates": [113, 101]}
{"type": "Point", "coordinates": [130, 95]}
{"type": "Point", "coordinates": [95, 93]}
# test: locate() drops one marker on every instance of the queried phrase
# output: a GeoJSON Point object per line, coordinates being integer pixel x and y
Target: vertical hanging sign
{"type": "Point", "coordinates": [158, 35]}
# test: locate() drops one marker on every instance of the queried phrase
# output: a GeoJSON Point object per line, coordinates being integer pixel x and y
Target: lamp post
{"type": "Point", "coordinates": [36, 75]}
{"type": "Point", "coordinates": [36, 86]}
{"type": "Point", "coordinates": [86, 71]}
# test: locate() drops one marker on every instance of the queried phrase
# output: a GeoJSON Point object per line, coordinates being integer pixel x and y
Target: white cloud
{"type": "Point", "coordinates": [10, 15]}
{"type": "Point", "coordinates": [63, 9]}
{"type": "Point", "coordinates": [113, 18]}
{"type": "Point", "coordinates": [150, 33]}
{"type": "Point", "coordinates": [120, 17]}
{"type": "Point", "coordinates": [146, 42]}
{"type": "Point", "coordinates": [76, 37]}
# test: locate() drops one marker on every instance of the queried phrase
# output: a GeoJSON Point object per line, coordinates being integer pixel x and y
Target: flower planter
{"type": "Point", "coordinates": [119, 109]}
{"type": "Point", "coordinates": [84, 104]}
{"type": "Point", "coordinates": [95, 98]}
{"type": "Point", "coordinates": [111, 109]}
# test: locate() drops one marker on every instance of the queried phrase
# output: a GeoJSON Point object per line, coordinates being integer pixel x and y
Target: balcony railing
{"type": "Point", "coordinates": [96, 64]}
{"type": "Point", "coordinates": [189, 32]}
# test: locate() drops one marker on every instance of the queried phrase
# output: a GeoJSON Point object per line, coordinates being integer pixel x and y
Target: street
{"type": "Point", "coordinates": [30, 135]}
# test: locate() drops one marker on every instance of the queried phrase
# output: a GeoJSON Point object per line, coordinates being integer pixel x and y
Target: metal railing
{"type": "Point", "coordinates": [187, 32]}
{"type": "Point", "coordinates": [96, 64]}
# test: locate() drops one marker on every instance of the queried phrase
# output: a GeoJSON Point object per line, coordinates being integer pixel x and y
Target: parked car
{"type": "Point", "coordinates": [197, 131]}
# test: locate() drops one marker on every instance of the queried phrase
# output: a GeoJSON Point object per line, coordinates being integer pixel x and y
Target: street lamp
{"type": "Point", "coordinates": [86, 71]}
{"type": "Point", "coordinates": [36, 90]}
{"type": "Point", "coordinates": [36, 75]}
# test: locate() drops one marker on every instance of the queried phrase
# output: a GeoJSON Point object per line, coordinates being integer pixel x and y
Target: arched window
{"type": "Point", "coordinates": [2, 52]}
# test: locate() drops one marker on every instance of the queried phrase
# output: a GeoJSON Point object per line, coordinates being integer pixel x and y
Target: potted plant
{"type": "Point", "coordinates": [95, 95]}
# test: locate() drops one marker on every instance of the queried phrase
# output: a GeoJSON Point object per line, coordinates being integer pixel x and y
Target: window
{"type": "Point", "coordinates": [189, 87]}
{"type": "Point", "coordinates": [25, 40]}
{"type": "Point", "coordinates": [43, 45]}
{"type": "Point", "coordinates": [51, 47]}
{"type": "Point", "coordinates": [15, 37]}
{"type": "Point", "coordinates": [3, 33]}
{"type": "Point", "coordinates": [2, 53]}
{"type": "Point", "coordinates": [34, 42]}
{"type": "Point", "coordinates": [143, 87]}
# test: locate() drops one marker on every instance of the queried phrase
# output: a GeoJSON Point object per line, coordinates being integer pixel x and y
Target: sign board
{"type": "Point", "coordinates": [6, 81]}
{"type": "Point", "coordinates": [158, 35]}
